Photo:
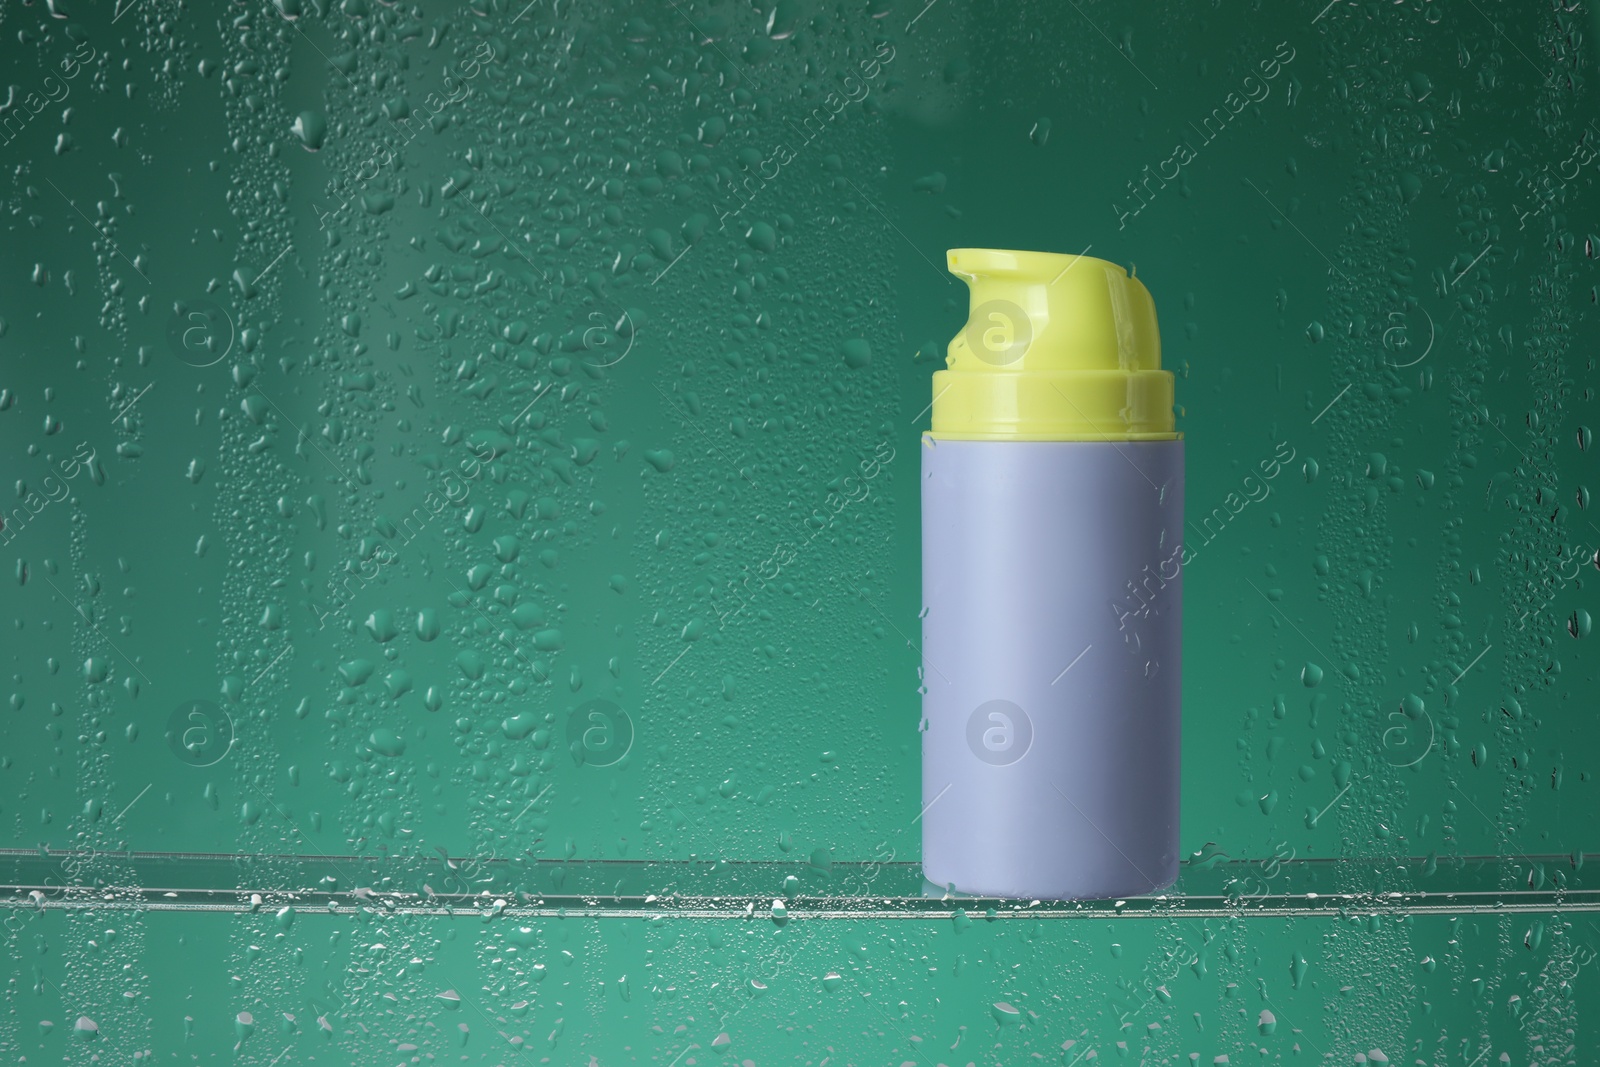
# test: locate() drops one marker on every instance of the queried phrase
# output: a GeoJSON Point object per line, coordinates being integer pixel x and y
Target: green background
{"type": "Point", "coordinates": [642, 264]}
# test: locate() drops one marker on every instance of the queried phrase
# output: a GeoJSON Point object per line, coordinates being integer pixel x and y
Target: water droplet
{"type": "Point", "coordinates": [857, 353]}
{"type": "Point", "coordinates": [312, 128]}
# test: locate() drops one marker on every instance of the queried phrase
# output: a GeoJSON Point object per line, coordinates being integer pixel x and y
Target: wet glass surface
{"type": "Point", "coordinates": [463, 494]}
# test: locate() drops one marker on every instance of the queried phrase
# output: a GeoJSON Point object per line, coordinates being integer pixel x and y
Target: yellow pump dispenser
{"type": "Point", "coordinates": [1056, 348]}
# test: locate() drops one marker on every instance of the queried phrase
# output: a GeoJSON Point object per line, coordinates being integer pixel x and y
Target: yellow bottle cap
{"type": "Point", "coordinates": [1056, 348]}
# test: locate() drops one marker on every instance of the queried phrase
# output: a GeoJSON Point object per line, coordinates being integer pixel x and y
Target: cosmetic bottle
{"type": "Point", "coordinates": [1052, 551]}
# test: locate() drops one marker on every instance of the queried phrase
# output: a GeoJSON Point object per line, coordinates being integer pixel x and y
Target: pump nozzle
{"type": "Point", "coordinates": [1056, 348]}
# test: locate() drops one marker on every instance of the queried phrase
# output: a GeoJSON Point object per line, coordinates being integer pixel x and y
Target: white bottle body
{"type": "Point", "coordinates": [1052, 595]}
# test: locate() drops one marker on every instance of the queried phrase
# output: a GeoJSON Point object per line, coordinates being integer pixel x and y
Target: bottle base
{"type": "Point", "coordinates": [989, 885]}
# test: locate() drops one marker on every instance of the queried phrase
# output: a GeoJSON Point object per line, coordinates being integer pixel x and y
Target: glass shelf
{"type": "Point", "coordinates": [1216, 887]}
